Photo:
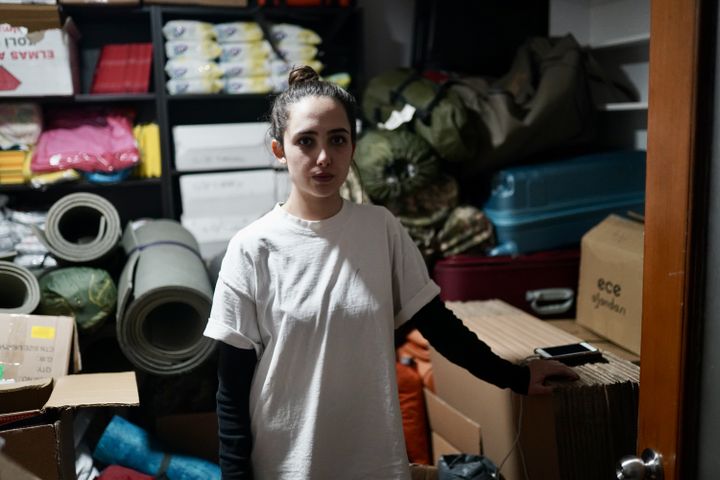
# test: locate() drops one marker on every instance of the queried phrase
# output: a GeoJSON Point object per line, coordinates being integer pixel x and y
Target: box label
{"type": "Point", "coordinates": [608, 296]}
{"type": "Point", "coordinates": [41, 332]}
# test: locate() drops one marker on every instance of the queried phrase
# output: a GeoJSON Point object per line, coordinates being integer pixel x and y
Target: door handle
{"type": "Point", "coordinates": [647, 467]}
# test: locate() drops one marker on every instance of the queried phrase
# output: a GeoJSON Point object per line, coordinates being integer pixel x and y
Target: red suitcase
{"type": "Point", "coordinates": [543, 284]}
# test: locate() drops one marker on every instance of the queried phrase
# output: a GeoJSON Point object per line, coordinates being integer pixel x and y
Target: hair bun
{"type": "Point", "coordinates": [302, 74]}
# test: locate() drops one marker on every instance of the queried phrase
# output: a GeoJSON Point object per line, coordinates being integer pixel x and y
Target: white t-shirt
{"type": "Point", "coordinates": [319, 301]}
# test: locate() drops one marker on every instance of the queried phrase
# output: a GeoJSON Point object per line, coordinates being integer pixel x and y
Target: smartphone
{"type": "Point", "coordinates": [571, 354]}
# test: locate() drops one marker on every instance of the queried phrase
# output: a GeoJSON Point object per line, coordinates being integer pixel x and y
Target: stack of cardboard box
{"type": "Point", "coordinates": [579, 431]}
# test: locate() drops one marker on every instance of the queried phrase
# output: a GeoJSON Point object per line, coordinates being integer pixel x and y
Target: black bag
{"type": "Point", "coordinates": [466, 467]}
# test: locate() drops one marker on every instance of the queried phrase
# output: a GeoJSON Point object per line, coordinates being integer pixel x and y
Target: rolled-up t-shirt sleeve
{"type": "Point", "coordinates": [411, 283]}
{"type": "Point", "coordinates": [233, 318]}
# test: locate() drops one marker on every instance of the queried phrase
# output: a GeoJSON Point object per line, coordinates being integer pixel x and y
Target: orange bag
{"type": "Point", "coordinates": [412, 407]}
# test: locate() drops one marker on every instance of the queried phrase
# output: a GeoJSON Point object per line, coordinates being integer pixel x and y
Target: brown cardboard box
{"type": "Point", "coordinates": [453, 426]}
{"type": "Point", "coordinates": [36, 417]}
{"type": "Point", "coordinates": [440, 447]}
{"type": "Point", "coordinates": [12, 471]}
{"type": "Point", "coordinates": [610, 287]}
{"type": "Point", "coordinates": [37, 346]}
{"type": "Point", "coordinates": [599, 407]}
{"type": "Point", "coordinates": [423, 472]}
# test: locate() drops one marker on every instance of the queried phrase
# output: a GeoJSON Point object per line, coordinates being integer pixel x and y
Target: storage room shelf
{"type": "Point", "coordinates": [114, 97]}
{"type": "Point", "coordinates": [629, 41]}
{"type": "Point", "coordinates": [219, 96]}
{"type": "Point", "coordinates": [82, 186]}
{"type": "Point", "coordinates": [625, 106]}
{"type": "Point", "coordinates": [177, 173]}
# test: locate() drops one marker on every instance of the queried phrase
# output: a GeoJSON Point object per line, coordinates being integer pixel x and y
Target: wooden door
{"type": "Point", "coordinates": [677, 150]}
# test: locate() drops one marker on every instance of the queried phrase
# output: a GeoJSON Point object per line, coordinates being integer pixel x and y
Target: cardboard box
{"type": "Point", "coordinates": [440, 447]}
{"type": "Point", "coordinates": [457, 429]}
{"type": "Point", "coordinates": [423, 472]}
{"type": "Point", "coordinates": [217, 205]}
{"type": "Point", "coordinates": [29, 60]}
{"type": "Point", "coordinates": [611, 281]}
{"type": "Point", "coordinates": [37, 346]}
{"type": "Point", "coordinates": [11, 470]}
{"type": "Point", "coordinates": [36, 419]}
{"type": "Point", "coordinates": [600, 408]}
{"type": "Point", "coordinates": [222, 146]}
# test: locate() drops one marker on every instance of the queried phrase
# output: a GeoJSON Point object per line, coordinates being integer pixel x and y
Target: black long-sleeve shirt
{"type": "Point", "coordinates": [445, 332]}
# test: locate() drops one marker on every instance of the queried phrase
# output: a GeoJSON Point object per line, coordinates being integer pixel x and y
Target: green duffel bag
{"type": "Point", "coordinates": [392, 164]}
{"type": "Point", "coordinates": [88, 294]}
{"type": "Point", "coordinates": [441, 116]}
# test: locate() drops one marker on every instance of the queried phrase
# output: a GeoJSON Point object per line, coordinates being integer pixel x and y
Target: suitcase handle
{"type": "Point", "coordinates": [563, 298]}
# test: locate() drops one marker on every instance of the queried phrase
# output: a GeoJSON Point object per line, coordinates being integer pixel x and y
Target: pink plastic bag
{"type": "Point", "coordinates": [91, 140]}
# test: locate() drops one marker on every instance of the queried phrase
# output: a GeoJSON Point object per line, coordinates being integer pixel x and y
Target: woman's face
{"type": "Point", "coordinates": [317, 147]}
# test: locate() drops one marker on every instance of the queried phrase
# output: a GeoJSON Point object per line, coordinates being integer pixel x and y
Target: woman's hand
{"type": "Point", "coordinates": [541, 370]}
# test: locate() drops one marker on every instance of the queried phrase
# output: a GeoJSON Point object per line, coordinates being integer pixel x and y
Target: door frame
{"type": "Point", "coordinates": [678, 155]}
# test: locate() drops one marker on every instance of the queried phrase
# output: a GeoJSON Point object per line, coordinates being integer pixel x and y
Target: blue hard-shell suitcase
{"type": "Point", "coordinates": [551, 205]}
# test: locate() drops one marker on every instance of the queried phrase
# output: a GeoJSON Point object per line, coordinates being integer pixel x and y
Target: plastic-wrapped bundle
{"type": "Point", "coordinates": [392, 164]}
{"type": "Point", "coordinates": [294, 33]}
{"type": "Point", "coordinates": [88, 294]}
{"type": "Point", "coordinates": [238, 32]}
{"type": "Point", "coordinates": [179, 86]}
{"type": "Point", "coordinates": [188, 30]}
{"type": "Point", "coordinates": [183, 67]}
{"type": "Point", "coordinates": [124, 443]}
{"type": "Point", "coordinates": [205, 49]}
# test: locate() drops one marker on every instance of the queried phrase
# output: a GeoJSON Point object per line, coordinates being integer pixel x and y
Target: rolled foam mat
{"type": "Point", "coordinates": [19, 289]}
{"type": "Point", "coordinates": [164, 298]}
{"type": "Point", "coordinates": [124, 443]}
{"type": "Point", "coordinates": [81, 228]}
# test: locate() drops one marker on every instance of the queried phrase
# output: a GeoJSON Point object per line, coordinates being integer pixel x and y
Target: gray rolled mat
{"type": "Point", "coordinates": [80, 228]}
{"type": "Point", "coordinates": [19, 289]}
{"type": "Point", "coordinates": [164, 298]}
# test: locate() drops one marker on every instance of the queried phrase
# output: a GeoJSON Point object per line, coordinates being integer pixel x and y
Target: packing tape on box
{"type": "Point", "coordinates": [164, 298]}
{"type": "Point", "coordinates": [81, 228]}
{"type": "Point", "coordinates": [19, 289]}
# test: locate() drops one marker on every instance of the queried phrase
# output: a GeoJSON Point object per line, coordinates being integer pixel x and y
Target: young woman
{"type": "Point", "coordinates": [306, 306]}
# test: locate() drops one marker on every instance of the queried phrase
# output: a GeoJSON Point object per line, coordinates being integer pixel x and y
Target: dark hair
{"type": "Point", "coordinates": [304, 82]}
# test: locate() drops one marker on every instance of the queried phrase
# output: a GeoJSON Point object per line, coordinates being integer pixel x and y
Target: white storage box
{"type": "Point", "coordinates": [217, 205]}
{"type": "Point", "coordinates": [40, 63]}
{"type": "Point", "coordinates": [222, 146]}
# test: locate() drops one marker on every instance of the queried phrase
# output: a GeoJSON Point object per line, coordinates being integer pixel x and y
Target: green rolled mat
{"type": "Point", "coordinates": [392, 164]}
{"type": "Point", "coordinates": [88, 294]}
{"type": "Point", "coordinates": [19, 289]}
{"type": "Point", "coordinates": [164, 298]}
{"type": "Point", "coordinates": [81, 228]}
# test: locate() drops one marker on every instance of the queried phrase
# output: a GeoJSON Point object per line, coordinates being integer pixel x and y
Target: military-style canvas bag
{"type": "Point", "coordinates": [438, 114]}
